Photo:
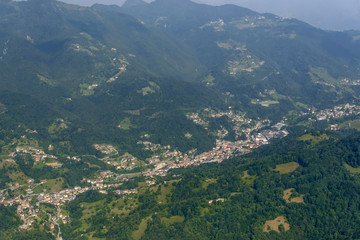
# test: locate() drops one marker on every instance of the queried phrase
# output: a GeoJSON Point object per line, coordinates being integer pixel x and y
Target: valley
{"type": "Point", "coordinates": [175, 120]}
{"type": "Point", "coordinates": [32, 203]}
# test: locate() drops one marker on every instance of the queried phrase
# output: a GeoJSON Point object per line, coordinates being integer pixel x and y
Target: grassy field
{"type": "Point", "coordinates": [351, 169]}
{"type": "Point", "coordinates": [147, 90]}
{"type": "Point", "coordinates": [248, 179]}
{"type": "Point", "coordinates": [351, 124]}
{"type": "Point", "coordinates": [204, 211]}
{"type": "Point", "coordinates": [209, 80]}
{"type": "Point", "coordinates": [277, 96]}
{"type": "Point", "coordinates": [289, 198]}
{"type": "Point", "coordinates": [90, 209]}
{"type": "Point", "coordinates": [152, 88]}
{"type": "Point", "coordinates": [141, 230]}
{"type": "Point", "coordinates": [123, 206]}
{"type": "Point", "coordinates": [52, 185]}
{"type": "Point", "coordinates": [287, 167]}
{"type": "Point", "coordinates": [18, 176]}
{"type": "Point", "coordinates": [306, 123]}
{"type": "Point", "coordinates": [85, 90]}
{"type": "Point", "coordinates": [265, 103]}
{"type": "Point", "coordinates": [313, 139]}
{"type": "Point", "coordinates": [172, 220]}
{"type": "Point", "coordinates": [126, 124]}
{"type": "Point", "coordinates": [166, 191]}
{"type": "Point", "coordinates": [57, 127]}
{"type": "Point", "coordinates": [321, 74]}
{"type": "Point", "coordinates": [6, 164]}
{"type": "Point", "coordinates": [90, 236]}
{"type": "Point", "coordinates": [234, 194]}
{"type": "Point", "coordinates": [273, 225]}
{"type": "Point", "coordinates": [301, 105]}
{"type": "Point", "coordinates": [205, 184]}
{"type": "Point", "coordinates": [48, 208]}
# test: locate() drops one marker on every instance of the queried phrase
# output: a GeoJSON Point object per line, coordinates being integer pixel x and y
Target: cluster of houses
{"type": "Point", "coordinates": [163, 160]}
{"type": "Point", "coordinates": [122, 68]}
{"type": "Point", "coordinates": [266, 135]}
{"type": "Point", "coordinates": [217, 200]}
{"type": "Point", "coordinates": [105, 149]}
{"type": "Point", "coordinates": [126, 191]}
{"type": "Point", "coordinates": [337, 112]}
{"type": "Point", "coordinates": [223, 150]}
{"type": "Point", "coordinates": [196, 118]}
{"type": "Point", "coordinates": [75, 158]}
{"type": "Point", "coordinates": [351, 82]}
{"type": "Point", "coordinates": [216, 25]}
{"type": "Point", "coordinates": [59, 198]}
{"type": "Point", "coordinates": [28, 212]}
{"type": "Point", "coordinates": [126, 161]}
{"type": "Point", "coordinates": [35, 153]}
{"type": "Point", "coordinates": [153, 146]}
{"type": "Point", "coordinates": [242, 125]}
{"type": "Point", "coordinates": [25, 209]}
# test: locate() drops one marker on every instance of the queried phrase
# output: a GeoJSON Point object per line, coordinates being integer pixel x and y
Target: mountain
{"type": "Point", "coordinates": [347, 13]}
{"type": "Point", "coordinates": [134, 3]}
{"type": "Point", "coordinates": [50, 30]}
{"type": "Point", "coordinates": [247, 53]}
{"type": "Point", "coordinates": [81, 62]}
{"type": "Point", "coordinates": [107, 112]}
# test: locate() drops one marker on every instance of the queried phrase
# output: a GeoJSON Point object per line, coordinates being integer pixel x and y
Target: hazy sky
{"type": "Point", "coordinates": [326, 14]}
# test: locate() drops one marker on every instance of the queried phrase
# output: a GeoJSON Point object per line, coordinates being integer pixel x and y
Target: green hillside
{"type": "Point", "coordinates": [248, 53]}
{"type": "Point", "coordinates": [219, 201]}
{"type": "Point", "coordinates": [175, 120]}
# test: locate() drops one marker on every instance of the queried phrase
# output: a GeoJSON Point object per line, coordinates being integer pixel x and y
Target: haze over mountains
{"type": "Point", "coordinates": [165, 59]}
{"type": "Point", "coordinates": [176, 120]}
{"type": "Point", "coordinates": [325, 14]}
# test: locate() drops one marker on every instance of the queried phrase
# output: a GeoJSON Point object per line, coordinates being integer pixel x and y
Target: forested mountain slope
{"type": "Point", "coordinates": [175, 120]}
{"type": "Point", "coordinates": [246, 53]}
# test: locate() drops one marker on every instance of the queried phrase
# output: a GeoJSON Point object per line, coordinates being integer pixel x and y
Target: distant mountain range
{"type": "Point", "coordinates": [165, 57]}
{"type": "Point", "coordinates": [102, 107]}
{"type": "Point", "coordinates": [339, 15]}
{"type": "Point", "coordinates": [239, 46]}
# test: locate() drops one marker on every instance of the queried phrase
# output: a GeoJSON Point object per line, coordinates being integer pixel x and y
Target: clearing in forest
{"type": "Point", "coordinates": [141, 230]}
{"type": "Point", "coordinates": [166, 191]}
{"type": "Point", "coordinates": [287, 167]}
{"type": "Point", "coordinates": [351, 169]}
{"type": "Point", "coordinates": [265, 103]}
{"type": "Point", "coordinates": [172, 220]}
{"type": "Point", "coordinates": [247, 178]}
{"type": "Point", "coordinates": [273, 225]}
{"type": "Point", "coordinates": [290, 198]}
{"type": "Point", "coordinates": [314, 139]}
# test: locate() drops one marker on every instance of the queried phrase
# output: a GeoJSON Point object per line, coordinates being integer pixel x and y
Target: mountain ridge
{"type": "Point", "coordinates": [106, 113]}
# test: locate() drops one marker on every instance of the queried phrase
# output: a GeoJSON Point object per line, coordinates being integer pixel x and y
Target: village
{"type": "Point", "coordinates": [335, 112]}
{"type": "Point", "coordinates": [28, 211]}
{"type": "Point", "coordinates": [164, 158]}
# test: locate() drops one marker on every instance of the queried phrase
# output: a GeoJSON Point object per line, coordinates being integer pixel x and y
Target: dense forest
{"type": "Point", "coordinates": [235, 199]}
{"type": "Point", "coordinates": [176, 120]}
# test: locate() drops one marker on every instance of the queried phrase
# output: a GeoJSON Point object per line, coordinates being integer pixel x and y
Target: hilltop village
{"type": "Point", "coordinates": [32, 204]}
